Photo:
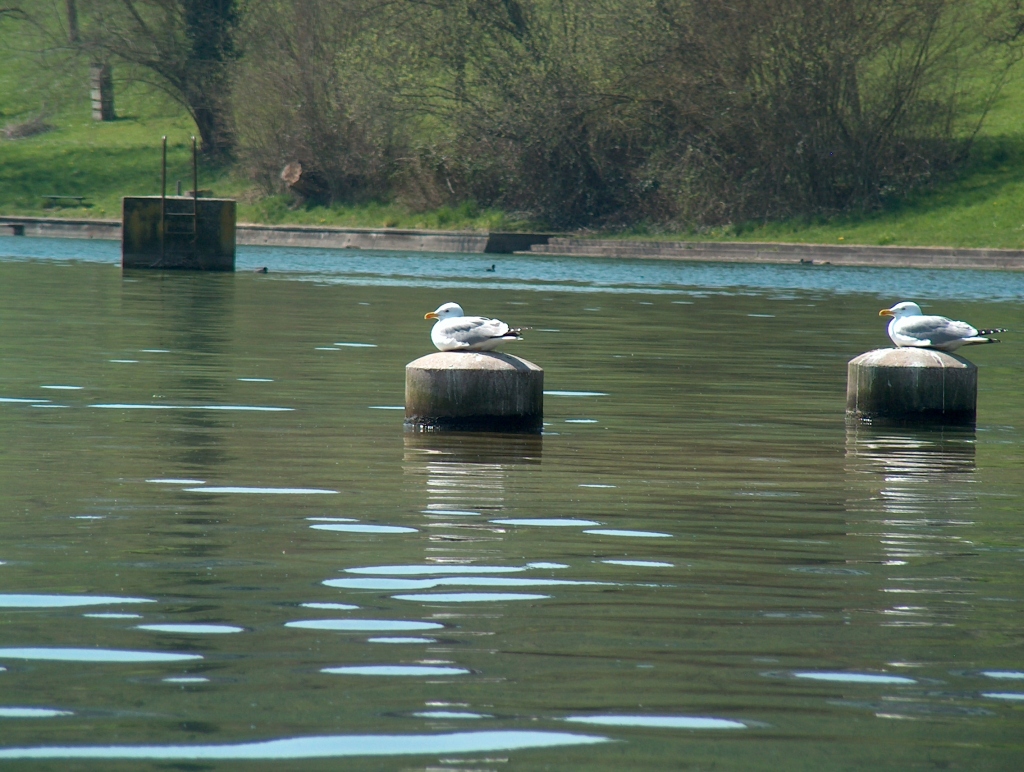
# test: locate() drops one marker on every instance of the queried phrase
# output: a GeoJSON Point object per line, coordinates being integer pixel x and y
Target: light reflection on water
{"type": "Point", "coordinates": [192, 629]}
{"type": "Point", "coordinates": [91, 655]}
{"type": "Point", "coordinates": [13, 600]}
{"type": "Point", "coordinates": [856, 678]}
{"type": "Point", "coordinates": [363, 528]}
{"type": "Point", "coordinates": [462, 580]}
{"type": "Point", "coordinates": [811, 581]}
{"type": "Point", "coordinates": [437, 568]}
{"type": "Point", "coordinates": [395, 670]}
{"type": "Point", "coordinates": [661, 722]}
{"type": "Point", "coordinates": [318, 747]}
{"type": "Point", "coordinates": [33, 713]}
{"type": "Point", "coordinates": [470, 597]}
{"type": "Point", "coordinates": [362, 625]}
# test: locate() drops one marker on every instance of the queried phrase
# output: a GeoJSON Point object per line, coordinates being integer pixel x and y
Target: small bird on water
{"type": "Point", "coordinates": [910, 328]}
{"type": "Point", "coordinates": [454, 331]}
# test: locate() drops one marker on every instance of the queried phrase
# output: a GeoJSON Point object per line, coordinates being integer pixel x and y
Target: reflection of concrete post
{"type": "Point", "coordinates": [465, 474]}
{"type": "Point", "coordinates": [101, 87]}
{"type": "Point", "coordinates": [474, 391]}
{"type": "Point", "coordinates": [914, 490]}
{"type": "Point", "coordinates": [912, 385]}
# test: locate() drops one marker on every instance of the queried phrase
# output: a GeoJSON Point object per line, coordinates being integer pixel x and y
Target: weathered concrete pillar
{"type": "Point", "coordinates": [178, 233]}
{"type": "Point", "coordinates": [101, 89]}
{"type": "Point", "coordinates": [911, 385]}
{"type": "Point", "coordinates": [473, 391]}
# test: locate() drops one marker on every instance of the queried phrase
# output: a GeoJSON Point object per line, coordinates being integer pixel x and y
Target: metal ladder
{"type": "Point", "coordinates": [184, 223]}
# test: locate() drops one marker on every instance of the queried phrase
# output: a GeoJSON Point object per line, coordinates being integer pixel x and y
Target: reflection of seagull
{"type": "Point", "coordinates": [909, 327]}
{"type": "Point", "coordinates": [456, 332]}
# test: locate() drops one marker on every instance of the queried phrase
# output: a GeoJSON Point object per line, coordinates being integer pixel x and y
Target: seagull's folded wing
{"type": "Point", "coordinates": [474, 329]}
{"type": "Point", "coordinates": [936, 329]}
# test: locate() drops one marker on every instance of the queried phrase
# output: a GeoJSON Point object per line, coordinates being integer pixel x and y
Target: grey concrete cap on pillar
{"type": "Point", "coordinates": [474, 391]}
{"type": "Point", "coordinates": [912, 384]}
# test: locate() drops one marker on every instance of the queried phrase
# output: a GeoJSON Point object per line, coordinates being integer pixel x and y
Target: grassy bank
{"type": "Point", "coordinates": [982, 206]}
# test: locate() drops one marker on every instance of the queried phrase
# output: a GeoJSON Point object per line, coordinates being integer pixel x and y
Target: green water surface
{"type": "Point", "coordinates": [725, 546]}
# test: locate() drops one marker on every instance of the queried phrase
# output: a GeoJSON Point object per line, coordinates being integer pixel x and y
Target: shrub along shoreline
{"type": "Point", "coordinates": [785, 120]}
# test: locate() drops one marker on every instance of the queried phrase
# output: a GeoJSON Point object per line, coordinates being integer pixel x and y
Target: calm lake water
{"type": "Point", "coordinates": [219, 546]}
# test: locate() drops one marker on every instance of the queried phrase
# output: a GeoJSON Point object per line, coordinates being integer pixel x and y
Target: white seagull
{"type": "Point", "coordinates": [454, 331]}
{"type": "Point", "coordinates": [909, 327]}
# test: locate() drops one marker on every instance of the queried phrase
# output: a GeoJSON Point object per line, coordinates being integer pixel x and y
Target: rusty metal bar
{"type": "Point", "coordinates": [163, 199]}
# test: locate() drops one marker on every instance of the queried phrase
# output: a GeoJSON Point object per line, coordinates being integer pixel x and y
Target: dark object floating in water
{"type": "Point", "coordinates": [492, 269]}
{"type": "Point", "coordinates": [261, 270]}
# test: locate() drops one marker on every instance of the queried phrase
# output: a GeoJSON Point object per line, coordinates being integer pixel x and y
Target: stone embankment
{"type": "Point", "coordinates": [808, 254]}
{"type": "Point", "coordinates": [248, 234]}
{"type": "Point", "coordinates": [397, 239]}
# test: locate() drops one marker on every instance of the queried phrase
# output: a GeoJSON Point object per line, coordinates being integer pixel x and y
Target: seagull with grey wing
{"type": "Point", "coordinates": [454, 331]}
{"type": "Point", "coordinates": [911, 328]}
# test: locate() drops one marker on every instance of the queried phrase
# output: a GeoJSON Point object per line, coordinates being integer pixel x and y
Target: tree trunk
{"type": "Point", "coordinates": [216, 139]}
{"type": "Point", "coordinates": [72, 12]}
{"type": "Point", "coordinates": [306, 183]}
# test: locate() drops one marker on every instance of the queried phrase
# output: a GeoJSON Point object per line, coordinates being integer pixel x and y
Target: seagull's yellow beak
{"type": "Point", "coordinates": [431, 315]}
{"type": "Point", "coordinates": [886, 312]}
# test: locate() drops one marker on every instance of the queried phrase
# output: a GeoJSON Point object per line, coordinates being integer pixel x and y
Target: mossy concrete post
{"type": "Point", "coordinates": [911, 385]}
{"type": "Point", "coordinates": [473, 391]}
{"type": "Point", "coordinates": [178, 232]}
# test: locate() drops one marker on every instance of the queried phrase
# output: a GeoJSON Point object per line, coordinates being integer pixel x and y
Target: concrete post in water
{"type": "Point", "coordinates": [473, 391]}
{"type": "Point", "coordinates": [178, 233]}
{"type": "Point", "coordinates": [911, 385]}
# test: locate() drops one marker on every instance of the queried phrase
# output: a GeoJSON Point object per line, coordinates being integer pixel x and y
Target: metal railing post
{"type": "Point", "coordinates": [163, 198]}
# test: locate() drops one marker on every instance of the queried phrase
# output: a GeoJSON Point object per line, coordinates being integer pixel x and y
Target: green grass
{"type": "Point", "coordinates": [105, 161]}
{"type": "Point", "coordinates": [980, 206]}
{"type": "Point", "coordinates": [983, 206]}
{"type": "Point", "coordinates": [102, 161]}
{"type": "Point", "coordinates": [466, 216]}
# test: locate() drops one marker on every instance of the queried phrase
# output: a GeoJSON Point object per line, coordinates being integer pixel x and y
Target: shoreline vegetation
{"type": "Point", "coordinates": [50, 146]}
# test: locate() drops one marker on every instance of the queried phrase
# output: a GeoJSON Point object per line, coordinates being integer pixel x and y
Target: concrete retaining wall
{"type": "Point", "coordinates": [395, 239]}
{"type": "Point", "coordinates": [808, 254]}
{"type": "Point", "coordinates": [542, 244]}
{"type": "Point", "coordinates": [60, 228]}
{"type": "Point", "coordinates": [361, 238]}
